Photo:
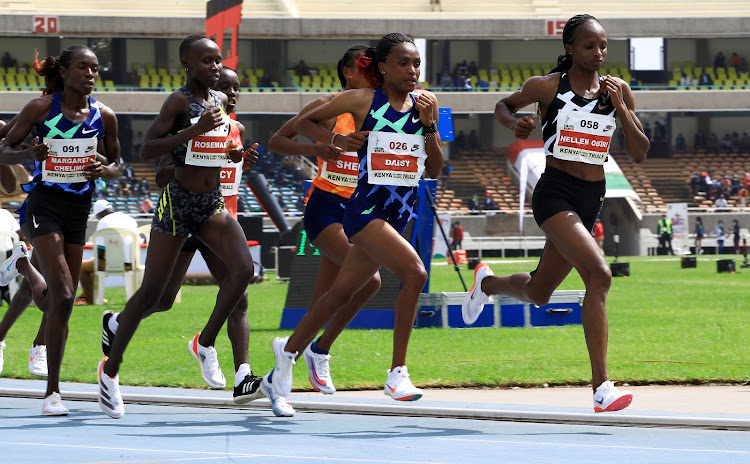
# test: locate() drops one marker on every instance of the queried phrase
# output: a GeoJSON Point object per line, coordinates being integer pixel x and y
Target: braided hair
{"type": "Point", "coordinates": [188, 42]}
{"type": "Point", "coordinates": [368, 62]}
{"type": "Point", "coordinates": [49, 68]}
{"type": "Point", "coordinates": [565, 62]}
{"type": "Point", "coordinates": [348, 60]}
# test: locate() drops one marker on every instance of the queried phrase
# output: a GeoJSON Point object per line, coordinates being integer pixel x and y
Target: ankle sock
{"type": "Point", "coordinates": [242, 371]}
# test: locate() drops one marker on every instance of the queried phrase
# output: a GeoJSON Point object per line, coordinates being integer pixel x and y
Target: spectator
{"type": "Point", "coordinates": [736, 185]}
{"type": "Point", "coordinates": [473, 70]}
{"type": "Point", "coordinates": [695, 184]}
{"type": "Point", "coordinates": [474, 205]}
{"type": "Point", "coordinates": [734, 60]}
{"type": "Point", "coordinates": [685, 80]}
{"type": "Point", "coordinates": [489, 203]}
{"type": "Point", "coordinates": [128, 173]}
{"type": "Point", "coordinates": [462, 70]}
{"type": "Point", "coordinates": [467, 84]}
{"type": "Point", "coordinates": [699, 143]}
{"type": "Point", "coordinates": [744, 144]}
{"type": "Point", "coordinates": [699, 233]}
{"type": "Point", "coordinates": [705, 79]}
{"type": "Point", "coordinates": [457, 236]}
{"type": "Point", "coordinates": [736, 236]}
{"type": "Point", "coordinates": [680, 145]}
{"type": "Point", "coordinates": [445, 173]}
{"type": "Point", "coordinates": [746, 180]}
{"type": "Point", "coordinates": [301, 69]}
{"type": "Point", "coordinates": [721, 204]}
{"type": "Point", "coordinates": [719, 233]}
{"type": "Point", "coordinates": [664, 231]}
{"type": "Point", "coordinates": [108, 218]}
{"type": "Point", "coordinates": [712, 146]}
{"type": "Point", "coordinates": [265, 81]}
{"type": "Point", "coordinates": [145, 187]}
{"type": "Point", "coordinates": [8, 61]}
{"type": "Point", "coordinates": [743, 195]}
{"type": "Point", "coordinates": [446, 80]}
{"type": "Point", "coordinates": [736, 142]}
{"type": "Point", "coordinates": [743, 68]}
{"type": "Point", "coordinates": [147, 206]}
{"type": "Point", "coordinates": [460, 141]}
{"type": "Point", "coordinates": [473, 140]}
{"type": "Point", "coordinates": [720, 61]}
{"type": "Point", "coordinates": [726, 144]}
{"type": "Point", "coordinates": [100, 186]}
{"type": "Point", "coordinates": [599, 235]}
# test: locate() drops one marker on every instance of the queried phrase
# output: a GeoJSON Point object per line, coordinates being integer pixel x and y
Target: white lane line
{"type": "Point", "coordinates": [587, 445]}
{"type": "Point", "coordinates": [217, 454]}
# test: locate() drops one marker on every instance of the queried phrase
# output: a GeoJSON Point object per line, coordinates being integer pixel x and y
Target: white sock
{"type": "Point", "coordinates": [112, 323]}
{"type": "Point", "coordinates": [242, 371]}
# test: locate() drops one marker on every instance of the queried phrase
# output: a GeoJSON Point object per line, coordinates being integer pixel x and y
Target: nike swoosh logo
{"type": "Point", "coordinates": [33, 220]}
{"type": "Point", "coordinates": [602, 107]}
{"type": "Point", "coordinates": [390, 388]}
{"type": "Point", "coordinates": [414, 120]}
{"type": "Point", "coordinates": [84, 131]}
{"type": "Point", "coordinates": [601, 198]}
{"type": "Point", "coordinates": [599, 401]}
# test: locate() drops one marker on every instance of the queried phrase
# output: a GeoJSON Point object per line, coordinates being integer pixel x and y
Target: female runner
{"type": "Point", "coordinates": [577, 107]}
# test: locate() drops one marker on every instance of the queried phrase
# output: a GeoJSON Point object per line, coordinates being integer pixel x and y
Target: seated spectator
{"type": "Point", "coordinates": [705, 79]}
{"type": "Point", "coordinates": [145, 187]}
{"type": "Point", "coordinates": [685, 80]}
{"type": "Point", "coordinates": [473, 70]}
{"type": "Point", "coordinates": [744, 144]}
{"type": "Point", "coordinates": [446, 80]}
{"type": "Point", "coordinates": [489, 203]}
{"type": "Point", "coordinates": [712, 146]}
{"type": "Point", "coordinates": [266, 81]}
{"type": "Point", "coordinates": [100, 186]}
{"type": "Point", "coordinates": [462, 69]}
{"type": "Point", "coordinates": [720, 61]}
{"type": "Point", "coordinates": [473, 140]}
{"type": "Point", "coordinates": [721, 204]}
{"type": "Point", "coordinates": [459, 143]}
{"type": "Point", "coordinates": [695, 184]}
{"type": "Point", "coordinates": [743, 68]}
{"type": "Point", "coordinates": [147, 206]}
{"type": "Point", "coordinates": [735, 142]}
{"type": "Point", "coordinates": [699, 143]}
{"type": "Point", "coordinates": [474, 205]}
{"type": "Point", "coordinates": [8, 61]}
{"type": "Point", "coordinates": [744, 196]}
{"type": "Point", "coordinates": [680, 145]}
{"type": "Point", "coordinates": [746, 180]}
{"type": "Point", "coordinates": [302, 69]}
{"type": "Point", "coordinates": [734, 60]}
{"type": "Point", "coordinates": [736, 184]}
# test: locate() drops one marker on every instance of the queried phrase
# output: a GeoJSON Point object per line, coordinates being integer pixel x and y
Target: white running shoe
{"type": "Point", "coordinates": [399, 387]}
{"type": "Point", "coordinates": [53, 406]}
{"type": "Point", "coordinates": [279, 406]}
{"type": "Point", "coordinates": [476, 299]}
{"type": "Point", "coordinates": [608, 398]}
{"type": "Point", "coordinates": [209, 363]}
{"type": "Point", "coordinates": [282, 372]}
{"type": "Point", "coordinates": [2, 357]}
{"type": "Point", "coordinates": [8, 270]}
{"type": "Point", "coordinates": [110, 399]}
{"type": "Point", "coordinates": [38, 360]}
{"type": "Point", "coordinates": [319, 370]}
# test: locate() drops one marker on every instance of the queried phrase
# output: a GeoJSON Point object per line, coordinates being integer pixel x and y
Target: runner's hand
{"type": "Point", "coordinates": [250, 157]}
{"type": "Point", "coordinates": [425, 104]}
{"type": "Point", "coordinates": [351, 142]}
{"type": "Point", "coordinates": [210, 119]}
{"type": "Point", "coordinates": [328, 152]}
{"type": "Point", "coordinates": [235, 151]}
{"type": "Point", "coordinates": [37, 151]}
{"type": "Point", "coordinates": [523, 127]}
{"type": "Point", "coordinates": [614, 87]}
{"type": "Point", "coordinates": [93, 170]}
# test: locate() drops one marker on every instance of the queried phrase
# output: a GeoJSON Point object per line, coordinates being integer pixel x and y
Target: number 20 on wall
{"type": "Point", "coordinates": [45, 24]}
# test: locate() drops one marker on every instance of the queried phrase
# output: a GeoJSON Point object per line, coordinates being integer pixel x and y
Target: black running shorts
{"type": "Point", "coordinates": [558, 191]}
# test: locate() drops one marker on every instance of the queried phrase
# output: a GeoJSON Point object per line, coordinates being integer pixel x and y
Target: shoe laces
{"type": "Point", "coordinates": [41, 355]}
{"type": "Point", "coordinates": [212, 361]}
{"type": "Point", "coordinates": [321, 364]}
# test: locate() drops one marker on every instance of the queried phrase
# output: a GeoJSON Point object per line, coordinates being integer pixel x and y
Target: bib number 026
{"type": "Point", "coordinates": [398, 146]}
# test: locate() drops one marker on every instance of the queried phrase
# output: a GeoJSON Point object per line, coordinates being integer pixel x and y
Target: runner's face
{"type": "Point", "coordinates": [229, 84]}
{"type": "Point", "coordinates": [82, 73]}
{"type": "Point", "coordinates": [589, 47]}
{"type": "Point", "coordinates": [204, 63]}
{"type": "Point", "coordinates": [401, 67]}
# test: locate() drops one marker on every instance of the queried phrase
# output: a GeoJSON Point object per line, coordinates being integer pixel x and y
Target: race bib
{"type": "Point", "coordinates": [67, 159]}
{"type": "Point", "coordinates": [395, 159]}
{"type": "Point", "coordinates": [583, 137]}
{"type": "Point", "coordinates": [209, 149]}
{"type": "Point", "coordinates": [344, 171]}
{"type": "Point", "coordinates": [230, 176]}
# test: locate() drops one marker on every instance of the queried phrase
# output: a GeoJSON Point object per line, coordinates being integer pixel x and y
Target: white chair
{"type": "Point", "coordinates": [114, 257]}
{"type": "Point", "coordinates": [9, 234]}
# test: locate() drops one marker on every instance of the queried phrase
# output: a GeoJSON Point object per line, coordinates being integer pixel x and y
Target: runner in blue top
{"type": "Point", "coordinates": [396, 140]}
{"type": "Point", "coordinates": [70, 127]}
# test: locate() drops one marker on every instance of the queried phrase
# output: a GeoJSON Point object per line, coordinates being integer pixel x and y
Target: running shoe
{"type": "Point", "coordinates": [209, 363]}
{"type": "Point", "coordinates": [282, 372]}
{"type": "Point", "coordinates": [608, 398]}
{"type": "Point", "coordinates": [110, 399]}
{"type": "Point", "coordinates": [53, 406]}
{"type": "Point", "coordinates": [279, 406]}
{"type": "Point", "coordinates": [108, 335]}
{"type": "Point", "coordinates": [9, 270]}
{"type": "Point", "coordinates": [2, 357]}
{"type": "Point", "coordinates": [38, 360]}
{"type": "Point", "coordinates": [476, 299]}
{"type": "Point", "coordinates": [248, 390]}
{"type": "Point", "coordinates": [399, 387]}
{"type": "Point", "coordinates": [319, 370]}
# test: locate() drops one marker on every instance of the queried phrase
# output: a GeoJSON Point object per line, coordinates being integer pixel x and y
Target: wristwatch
{"type": "Point", "coordinates": [431, 129]}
